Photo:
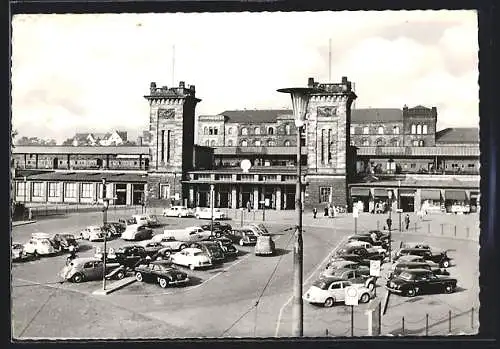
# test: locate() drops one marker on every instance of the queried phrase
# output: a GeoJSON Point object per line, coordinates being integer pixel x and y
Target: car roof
{"type": "Point", "coordinates": [86, 259]}
{"type": "Point", "coordinates": [418, 271]}
{"type": "Point", "coordinates": [332, 279]}
{"type": "Point", "coordinates": [40, 236]}
{"type": "Point", "coordinates": [192, 249]}
{"type": "Point", "coordinates": [411, 263]}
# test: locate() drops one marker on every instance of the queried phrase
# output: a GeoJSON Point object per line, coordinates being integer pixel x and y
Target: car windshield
{"type": "Point", "coordinates": [198, 254]}
{"type": "Point", "coordinates": [321, 284]}
{"type": "Point", "coordinates": [45, 242]}
{"type": "Point", "coordinates": [406, 276]}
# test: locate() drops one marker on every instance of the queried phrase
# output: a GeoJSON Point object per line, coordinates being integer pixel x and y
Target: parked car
{"type": "Point", "coordinates": [330, 291]}
{"type": "Point", "coordinates": [127, 256]}
{"type": "Point", "coordinates": [381, 235]}
{"type": "Point", "coordinates": [343, 264]}
{"type": "Point", "coordinates": [160, 271]}
{"type": "Point", "coordinates": [17, 252]}
{"type": "Point", "coordinates": [153, 221]}
{"type": "Point", "coordinates": [422, 245]}
{"type": "Point", "coordinates": [115, 229]}
{"type": "Point", "coordinates": [90, 268]}
{"type": "Point", "coordinates": [212, 249]}
{"type": "Point", "coordinates": [206, 213]}
{"type": "Point", "coordinates": [261, 227]}
{"type": "Point", "coordinates": [125, 222]}
{"type": "Point", "coordinates": [162, 255]}
{"type": "Point", "coordinates": [220, 228]}
{"type": "Point", "coordinates": [199, 232]}
{"type": "Point", "coordinates": [92, 233]}
{"type": "Point", "coordinates": [358, 276]}
{"type": "Point", "coordinates": [226, 244]}
{"type": "Point", "coordinates": [440, 257]}
{"type": "Point", "coordinates": [178, 211]}
{"type": "Point", "coordinates": [420, 281]}
{"type": "Point", "coordinates": [368, 239]}
{"type": "Point", "coordinates": [398, 268]}
{"type": "Point", "coordinates": [371, 249]}
{"type": "Point", "coordinates": [62, 242]}
{"type": "Point", "coordinates": [151, 247]}
{"type": "Point", "coordinates": [360, 254]}
{"type": "Point", "coordinates": [137, 232]}
{"type": "Point", "coordinates": [192, 258]}
{"type": "Point", "coordinates": [170, 242]}
{"type": "Point", "coordinates": [408, 258]}
{"type": "Point", "coordinates": [265, 246]}
{"type": "Point", "coordinates": [242, 236]}
{"type": "Point", "coordinates": [140, 219]}
{"type": "Point", "coordinates": [39, 244]}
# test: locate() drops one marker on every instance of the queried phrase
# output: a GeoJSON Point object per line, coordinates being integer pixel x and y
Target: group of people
{"type": "Point", "coordinates": [329, 211]}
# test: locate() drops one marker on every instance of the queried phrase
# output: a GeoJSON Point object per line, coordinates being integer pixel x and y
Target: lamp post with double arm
{"type": "Point", "coordinates": [300, 100]}
{"type": "Point", "coordinates": [105, 202]}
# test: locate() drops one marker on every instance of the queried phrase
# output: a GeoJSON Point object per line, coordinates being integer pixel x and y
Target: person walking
{"type": "Point", "coordinates": [315, 212]}
{"type": "Point", "coordinates": [249, 207]}
{"type": "Point", "coordinates": [326, 211]}
{"type": "Point", "coordinates": [389, 223]}
{"type": "Point", "coordinates": [407, 221]}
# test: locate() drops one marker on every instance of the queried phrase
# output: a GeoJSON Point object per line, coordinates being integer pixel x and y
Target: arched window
{"type": "Point", "coordinates": [395, 130]}
{"type": "Point", "coordinates": [419, 129]}
{"type": "Point", "coordinates": [352, 130]}
{"type": "Point", "coordinates": [230, 131]}
{"type": "Point", "coordinates": [415, 143]}
{"type": "Point", "coordinates": [270, 131]}
{"type": "Point", "coordinates": [366, 130]}
{"type": "Point", "coordinates": [257, 143]}
{"type": "Point", "coordinates": [395, 142]}
{"type": "Point", "coordinates": [421, 143]}
{"type": "Point", "coordinates": [205, 130]}
{"type": "Point", "coordinates": [207, 143]}
{"type": "Point", "coordinates": [413, 129]}
{"type": "Point", "coordinates": [212, 143]}
{"type": "Point", "coordinates": [380, 142]}
{"type": "Point", "coordinates": [230, 143]}
{"type": "Point", "coordinates": [424, 129]}
{"type": "Point", "coordinates": [270, 143]}
{"type": "Point", "coordinates": [286, 144]}
{"type": "Point", "coordinates": [210, 131]}
{"type": "Point", "coordinates": [256, 130]}
{"type": "Point", "coordinates": [287, 129]}
{"type": "Point", "coordinates": [365, 142]}
{"type": "Point", "coordinates": [244, 131]}
{"type": "Point", "coordinates": [380, 130]}
{"type": "Point", "coordinates": [244, 143]}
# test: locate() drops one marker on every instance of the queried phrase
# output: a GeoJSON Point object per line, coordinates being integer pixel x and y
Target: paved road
{"type": "Point", "coordinates": [220, 301]}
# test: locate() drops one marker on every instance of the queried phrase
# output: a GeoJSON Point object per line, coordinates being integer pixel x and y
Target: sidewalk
{"type": "Point", "coordinates": [18, 223]}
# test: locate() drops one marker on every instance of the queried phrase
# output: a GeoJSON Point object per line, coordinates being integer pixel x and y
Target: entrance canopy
{"type": "Point", "coordinates": [360, 192]}
{"type": "Point", "coordinates": [406, 192]}
{"type": "Point", "coordinates": [380, 192]}
{"type": "Point", "coordinates": [457, 195]}
{"type": "Point", "coordinates": [428, 194]}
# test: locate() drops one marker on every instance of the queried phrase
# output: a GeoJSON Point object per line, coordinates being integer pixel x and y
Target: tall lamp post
{"type": "Point", "coordinates": [105, 202]}
{"type": "Point", "coordinates": [264, 199]}
{"type": "Point", "coordinates": [300, 101]}
{"type": "Point", "coordinates": [389, 225]}
{"type": "Point", "coordinates": [212, 209]}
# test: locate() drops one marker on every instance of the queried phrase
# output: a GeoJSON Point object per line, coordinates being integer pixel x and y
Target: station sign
{"type": "Point", "coordinates": [355, 212]}
{"type": "Point", "coordinates": [375, 268]}
{"type": "Point", "coordinates": [351, 295]}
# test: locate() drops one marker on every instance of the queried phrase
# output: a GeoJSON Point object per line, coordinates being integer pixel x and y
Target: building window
{"type": "Point", "coordinates": [38, 189]}
{"type": "Point", "coordinates": [230, 131]}
{"type": "Point", "coordinates": [413, 129]}
{"type": "Point", "coordinates": [270, 131]}
{"type": "Point", "coordinates": [413, 165]}
{"type": "Point", "coordinates": [162, 146]}
{"type": "Point", "coordinates": [324, 194]}
{"type": "Point", "coordinates": [70, 190]}
{"type": "Point", "coordinates": [419, 129]}
{"type": "Point", "coordinates": [230, 143]}
{"type": "Point", "coordinates": [21, 188]}
{"type": "Point", "coordinates": [322, 146]}
{"type": "Point", "coordinates": [164, 191]}
{"type": "Point", "coordinates": [53, 189]}
{"type": "Point", "coordinates": [212, 143]}
{"type": "Point", "coordinates": [257, 143]}
{"type": "Point", "coordinates": [270, 143]}
{"type": "Point", "coordinates": [256, 131]}
{"type": "Point", "coordinates": [169, 140]}
{"type": "Point", "coordinates": [380, 130]}
{"type": "Point", "coordinates": [207, 143]}
{"type": "Point", "coordinates": [424, 129]}
{"type": "Point", "coordinates": [415, 143]}
{"type": "Point", "coordinates": [352, 130]}
{"type": "Point", "coordinates": [395, 130]}
{"type": "Point", "coordinates": [244, 143]}
{"type": "Point", "coordinates": [365, 142]}
{"type": "Point", "coordinates": [244, 131]}
{"type": "Point", "coordinates": [287, 129]}
{"type": "Point", "coordinates": [87, 190]}
{"type": "Point", "coordinates": [395, 142]}
{"type": "Point", "coordinates": [366, 130]}
{"type": "Point", "coordinates": [216, 130]}
{"type": "Point", "coordinates": [205, 130]}
{"type": "Point", "coordinates": [420, 143]}
{"type": "Point", "coordinates": [286, 144]}
{"type": "Point", "coordinates": [379, 142]}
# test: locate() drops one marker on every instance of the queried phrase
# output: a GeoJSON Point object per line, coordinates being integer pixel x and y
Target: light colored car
{"type": "Point", "coordinates": [264, 246]}
{"type": "Point", "coordinates": [17, 251]}
{"type": "Point", "coordinates": [141, 219]}
{"type": "Point", "coordinates": [169, 242]}
{"type": "Point", "coordinates": [366, 245]}
{"type": "Point", "coordinates": [202, 233]}
{"type": "Point", "coordinates": [39, 244]}
{"type": "Point", "coordinates": [260, 228]}
{"type": "Point", "coordinates": [93, 233]}
{"type": "Point", "coordinates": [137, 232]}
{"type": "Point", "coordinates": [192, 258]}
{"type": "Point", "coordinates": [90, 268]}
{"type": "Point", "coordinates": [206, 213]}
{"type": "Point", "coordinates": [178, 211]}
{"type": "Point", "coordinates": [330, 291]}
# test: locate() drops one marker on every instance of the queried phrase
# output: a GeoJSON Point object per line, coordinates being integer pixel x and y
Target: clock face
{"type": "Point", "coordinates": [327, 111]}
{"type": "Point", "coordinates": [166, 113]}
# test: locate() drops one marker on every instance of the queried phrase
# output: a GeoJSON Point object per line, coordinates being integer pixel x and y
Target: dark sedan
{"type": "Point", "coordinates": [62, 242]}
{"type": "Point", "coordinates": [400, 267]}
{"type": "Point", "coordinates": [420, 281]}
{"type": "Point", "coordinates": [160, 271]}
{"type": "Point", "coordinates": [226, 244]}
{"type": "Point", "coordinates": [359, 253]}
{"type": "Point", "coordinates": [220, 228]}
{"type": "Point", "coordinates": [440, 257]}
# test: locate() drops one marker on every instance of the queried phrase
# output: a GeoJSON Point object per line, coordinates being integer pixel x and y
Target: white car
{"type": "Point", "coordinates": [137, 232]}
{"type": "Point", "coordinates": [178, 211]}
{"type": "Point", "coordinates": [369, 247]}
{"type": "Point", "coordinates": [141, 219]}
{"type": "Point", "coordinates": [206, 213]}
{"type": "Point", "coordinates": [192, 258]}
{"type": "Point", "coordinates": [17, 251]}
{"type": "Point", "coordinates": [330, 291]}
{"type": "Point", "coordinates": [198, 233]}
{"type": "Point", "coordinates": [39, 244]}
{"type": "Point", "coordinates": [92, 233]}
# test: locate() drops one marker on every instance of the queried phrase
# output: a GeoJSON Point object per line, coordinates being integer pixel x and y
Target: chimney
{"type": "Point", "coordinates": [152, 86]}
{"type": "Point", "coordinates": [181, 84]}
{"type": "Point", "coordinates": [310, 82]}
{"type": "Point", "coordinates": [192, 88]}
{"type": "Point", "coordinates": [344, 80]}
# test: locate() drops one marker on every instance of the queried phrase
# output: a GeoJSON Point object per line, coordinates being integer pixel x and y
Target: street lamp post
{"type": "Point", "coordinates": [389, 226]}
{"type": "Point", "coordinates": [264, 199]}
{"type": "Point", "coordinates": [212, 209]}
{"type": "Point", "coordinates": [105, 201]}
{"type": "Point", "coordinates": [300, 100]}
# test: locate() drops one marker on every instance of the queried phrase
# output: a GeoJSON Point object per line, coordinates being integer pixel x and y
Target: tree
{"type": "Point", "coordinates": [68, 141]}
{"type": "Point", "coordinates": [35, 141]}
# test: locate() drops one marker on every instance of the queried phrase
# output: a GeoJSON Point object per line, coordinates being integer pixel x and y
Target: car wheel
{"type": "Point", "coordinates": [446, 263]}
{"type": "Point", "coordinates": [181, 247]}
{"type": "Point", "coordinates": [191, 266]}
{"type": "Point", "coordinates": [365, 298]}
{"type": "Point", "coordinates": [329, 302]}
{"type": "Point", "coordinates": [180, 216]}
{"type": "Point", "coordinates": [77, 278]}
{"type": "Point", "coordinates": [371, 286]}
{"type": "Point", "coordinates": [197, 216]}
{"type": "Point", "coordinates": [163, 283]}
{"type": "Point", "coordinates": [449, 289]}
{"type": "Point", "coordinates": [120, 275]}
{"type": "Point", "coordinates": [138, 276]}
{"type": "Point", "coordinates": [241, 242]}
{"type": "Point", "coordinates": [411, 292]}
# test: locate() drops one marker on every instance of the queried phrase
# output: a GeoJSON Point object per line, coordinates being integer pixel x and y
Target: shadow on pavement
{"type": "Point", "coordinates": [280, 252]}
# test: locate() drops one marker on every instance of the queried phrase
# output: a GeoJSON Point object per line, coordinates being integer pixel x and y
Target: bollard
{"type": "Point", "coordinates": [472, 318]}
{"type": "Point", "coordinates": [415, 226]}
{"type": "Point", "coordinates": [426, 324]}
{"type": "Point", "coordinates": [455, 230]}
{"type": "Point", "coordinates": [253, 214]}
{"type": "Point", "coordinates": [378, 225]}
{"type": "Point", "coordinates": [403, 326]}
{"type": "Point", "coordinates": [326, 332]}
{"type": "Point", "coordinates": [467, 235]}
{"type": "Point", "coordinates": [428, 228]}
{"type": "Point", "coordinates": [442, 228]}
{"type": "Point", "coordinates": [449, 321]}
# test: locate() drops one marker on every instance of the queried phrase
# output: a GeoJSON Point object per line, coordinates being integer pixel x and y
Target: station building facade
{"type": "Point", "coordinates": [347, 156]}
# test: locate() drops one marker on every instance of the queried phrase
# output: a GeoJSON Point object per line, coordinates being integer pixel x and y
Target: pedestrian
{"type": "Point", "coordinates": [315, 212]}
{"type": "Point", "coordinates": [389, 223]}
{"type": "Point", "coordinates": [326, 211]}
{"type": "Point", "coordinates": [407, 221]}
{"type": "Point", "coordinates": [249, 207]}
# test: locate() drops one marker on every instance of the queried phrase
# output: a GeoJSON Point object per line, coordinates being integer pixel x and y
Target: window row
{"type": "Point", "coordinates": [418, 129]}
{"type": "Point", "coordinates": [380, 130]}
{"type": "Point", "coordinates": [245, 143]}
{"type": "Point", "coordinates": [213, 131]}
{"type": "Point", "coordinates": [365, 142]}
{"type": "Point", "coordinates": [54, 190]}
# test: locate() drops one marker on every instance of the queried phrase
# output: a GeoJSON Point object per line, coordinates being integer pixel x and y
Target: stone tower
{"type": "Point", "coordinates": [329, 154]}
{"type": "Point", "coordinates": [171, 124]}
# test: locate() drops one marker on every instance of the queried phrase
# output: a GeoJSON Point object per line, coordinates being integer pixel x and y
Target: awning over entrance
{"type": "Point", "coordinates": [380, 192]}
{"type": "Point", "coordinates": [360, 192]}
{"type": "Point", "coordinates": [406, 192]}
{"type": "Point", "coordinates": [428, 194]}
{"type": "Point", "coordinates": [457, 195]}
{"type": "Point", "coordinates": [474, 194]}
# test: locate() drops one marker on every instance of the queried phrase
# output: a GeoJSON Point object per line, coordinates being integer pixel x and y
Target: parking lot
{"type": "Point", "coordinates": [247, 296]}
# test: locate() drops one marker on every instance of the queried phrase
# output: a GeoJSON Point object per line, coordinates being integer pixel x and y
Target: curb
{"type": "Point", "coordinates": [115, 286]}
{"type": "Point", "coordinates": [19, 223]}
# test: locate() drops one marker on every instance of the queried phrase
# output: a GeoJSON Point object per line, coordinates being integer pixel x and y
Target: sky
{"type": "Point", "coordinates": [89, 72]}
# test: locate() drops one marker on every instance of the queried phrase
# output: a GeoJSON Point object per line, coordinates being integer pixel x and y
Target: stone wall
{"type": "Point", "coordinates": [338, 185]}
